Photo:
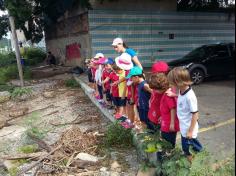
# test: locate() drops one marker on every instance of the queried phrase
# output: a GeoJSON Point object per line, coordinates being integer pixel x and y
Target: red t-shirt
{"type": "Point", "coordinates": [168, 103]}
{"type": "Point", "coordinates": [105, 74]}
{"type": "Point", "coordinates": [154, 110]}
{"type": "Point", "coordinates": [114, 89]}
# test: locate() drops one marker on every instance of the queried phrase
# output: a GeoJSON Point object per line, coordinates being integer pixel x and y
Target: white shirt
{"type": "Point", "coordinates": [187, 105]}
{"type": "Point", "coordinates": [98, 75]}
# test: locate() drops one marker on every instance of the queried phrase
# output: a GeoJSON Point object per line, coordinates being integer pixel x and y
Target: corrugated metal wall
{"type": "Point", "coordinates": [151, 33]}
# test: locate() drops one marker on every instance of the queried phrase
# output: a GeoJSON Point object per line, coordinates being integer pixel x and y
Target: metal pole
{"type": "Point", "coordinates": [17, 50]}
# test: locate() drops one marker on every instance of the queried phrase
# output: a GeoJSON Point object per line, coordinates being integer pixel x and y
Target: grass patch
{"type": "Point", "coordinates": [72, 83]}
{"type": "Point", "coordinates": [27, 149]}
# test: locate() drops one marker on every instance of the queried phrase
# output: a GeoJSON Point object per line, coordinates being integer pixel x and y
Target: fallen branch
{"type": "Point", "coordinates": [23, 156]}
{"type": "Point", "coordinates": [40, 142]}
{"type": "Point", "coordinates": [54, 112]}
{"type": "Point", "coordinates": [38, 162]}
{"type": "Point", "coordinates": [30, 112]}
{"type": "Point", "coordinates": [87, 173]}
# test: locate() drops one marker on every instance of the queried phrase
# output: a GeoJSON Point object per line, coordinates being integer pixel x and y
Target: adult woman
{"type": "Point", "coordinates": [121, 47]}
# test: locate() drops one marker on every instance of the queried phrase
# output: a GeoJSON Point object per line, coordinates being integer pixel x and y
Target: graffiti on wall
{"type": "Point", "coordinates": [73, 51]}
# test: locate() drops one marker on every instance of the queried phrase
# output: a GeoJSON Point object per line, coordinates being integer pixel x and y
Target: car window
{"type": "Point", "coordinates": [197, 53]}
{"type": "Point", "coordinates": [232, 48]}
{"type": "Point", "coordinates": [221, 51]}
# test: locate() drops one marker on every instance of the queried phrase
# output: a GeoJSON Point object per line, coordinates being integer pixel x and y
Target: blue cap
{"type": "Point", "coordinates": [135, 71]}
{"type": "Point", "coordinates": [110, 61]}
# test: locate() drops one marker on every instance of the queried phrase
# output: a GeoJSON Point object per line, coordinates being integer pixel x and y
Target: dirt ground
{"type": "Point", "coordinates": [64, 117]}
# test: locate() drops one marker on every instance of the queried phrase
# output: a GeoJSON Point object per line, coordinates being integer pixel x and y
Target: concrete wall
{"type": "Point", "coordinates": [146, 5]}
{"type": "Point", "coordinates": [58, 48]}
{"type": "Point", "coordinates": [69, 29]}
{"type": "Point", "coordinates": [73, 26]}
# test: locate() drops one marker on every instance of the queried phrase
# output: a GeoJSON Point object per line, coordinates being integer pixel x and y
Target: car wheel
{"type": "Point", "coordinates": [197, 76]}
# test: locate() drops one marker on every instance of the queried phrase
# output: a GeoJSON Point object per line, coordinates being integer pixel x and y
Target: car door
{"type": "Point", "coordinates": [219, 61]}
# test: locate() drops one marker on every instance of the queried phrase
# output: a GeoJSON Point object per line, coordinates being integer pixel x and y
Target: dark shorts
{"type": "Point", "coordinates": [90, 76]}
{"type": "Point", "coordinates": [119, 102]}
{"type": "Point", "coordinates": [194, 143]}
{"type": "Point", "coordinates": [108, 95]}
{"type": "Point", "coordinates": [143, 115]}
{"type": "Point", "coordinates": [170, 137]}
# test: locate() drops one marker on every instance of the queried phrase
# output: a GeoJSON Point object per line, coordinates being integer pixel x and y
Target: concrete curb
{"type": "Point", "coordinates": [88, 91]}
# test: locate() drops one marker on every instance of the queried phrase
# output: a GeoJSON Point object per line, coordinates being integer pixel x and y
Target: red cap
{"type": "Point", "coordinates": [160, 67]}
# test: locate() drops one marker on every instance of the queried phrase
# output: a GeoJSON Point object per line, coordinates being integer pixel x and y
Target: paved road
{"type": "Point", "coordinates": [217, 109]}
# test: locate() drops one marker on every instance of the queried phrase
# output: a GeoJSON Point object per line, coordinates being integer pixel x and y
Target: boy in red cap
{"type": "Point", "coordinates": [154, 113]}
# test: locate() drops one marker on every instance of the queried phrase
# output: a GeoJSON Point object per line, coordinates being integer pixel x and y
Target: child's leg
{"type": "Point", "coordinates": [170, 137]}
{"type": "Point", "coordinates": [130, 112]}
{"type": "Point", "coordinates": [197, 146]}
{"type": "Point", "coordinates": [100, 91]}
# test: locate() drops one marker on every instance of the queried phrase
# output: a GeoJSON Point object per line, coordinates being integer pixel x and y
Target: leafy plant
{"type": "Point", "coordinates": [8, 88]}
{"type": "Point", "coordinates": [34, 56]}
{"type": "Point", "coordinates": [7, 59]}
{"type": "Point", "coordinates": [118, 136]}
{"type": "Point", "coordinates": [28, 149]}
{"type": "Point", "coordinates": [7, 73]}
{"type": "Point", "coordinates": [18, 92]}
{"type": "Point", "coordinates": [72, 83]}
{"type": "Point", "coordinates": [152, 142]}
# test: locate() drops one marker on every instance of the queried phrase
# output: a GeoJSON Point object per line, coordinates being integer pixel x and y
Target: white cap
{"type": "Point", "coordinates": [99, 55]}
{"type": "Point", "coordinates": [124, 61]}
{"type": "Point", "coordinates": [117, 41]}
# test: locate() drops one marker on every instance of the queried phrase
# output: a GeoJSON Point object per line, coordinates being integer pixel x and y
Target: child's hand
{"type": "Point", "coordinates": [169, 93]}
{"type": "Point", "coordinates": [115, 83]}
{"type": "Point", "coordinates": [172, 127]}
{"type": "Point", "coordinates": [189, 134]}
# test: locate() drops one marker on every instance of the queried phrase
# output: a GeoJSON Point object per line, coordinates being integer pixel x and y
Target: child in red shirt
{"type": "Point", "coordinates": [119, 91]}
{"type": "Point", "coordinates": [154, 113]}
{"type": "Point", "coordinates": [168, 106]}
{"type": "Point", "coordinates": [107, 86]}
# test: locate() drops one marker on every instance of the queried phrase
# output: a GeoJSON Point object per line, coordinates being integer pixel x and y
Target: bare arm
{"type": "Point", "coordinates": [106, 80]}
{"type": "Point", "coordinates": [172, 120]}
{"type": "Point", "coordinates": [137, 62]}
{"type": "Point", "coordinates": [147, 88]}
{"type": "Point", "coordinates": [193, 124]}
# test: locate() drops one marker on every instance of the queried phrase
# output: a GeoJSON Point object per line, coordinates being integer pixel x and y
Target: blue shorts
{"type": "Point", "coordinates": [194, 143]}
{"type": "Point", "coordinates": [143, 115]}
{"type": "Point", "coordinates": [119, 102]}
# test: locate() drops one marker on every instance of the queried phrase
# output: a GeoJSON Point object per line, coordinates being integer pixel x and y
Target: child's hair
{"type": "Point", "coordinates": [159, 81]}
{"type": "Point", "coordinates": [180, 77]}
{"type": "Point", "coordinates": [116, 68]}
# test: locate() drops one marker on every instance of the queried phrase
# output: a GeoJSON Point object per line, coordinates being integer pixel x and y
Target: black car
{"type": "Point", "coordinates": [208, 60]}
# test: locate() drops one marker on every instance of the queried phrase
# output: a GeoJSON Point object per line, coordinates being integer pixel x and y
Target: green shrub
{"type": "Point", "coordinates": [71, 83]}
{"type": "Point", "coordinates": [7, 59]}
{"type": "Point", "coordinates": [118, 136]}
{"type": "Point", "coordinates": [34, 56]}
{"type": "Point", "coordinates": [8, 88]}
{"type": "Point", "coordinates": [7, 73]}
{"type": "Point", "coordinates": [18, 92]}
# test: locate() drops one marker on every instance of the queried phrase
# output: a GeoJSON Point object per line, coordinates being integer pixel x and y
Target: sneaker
{"type": "Point", "coordinates": [122, 119]}
{"type": "Point", "coordinates": [127, 125]}
{"type": "Point", "coordinates": [97, 97]}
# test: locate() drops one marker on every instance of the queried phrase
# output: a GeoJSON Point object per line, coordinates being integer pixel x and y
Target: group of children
{"type": "Point", "coordinates": [155, 97]}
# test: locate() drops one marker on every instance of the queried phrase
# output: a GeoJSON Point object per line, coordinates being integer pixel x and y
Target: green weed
{"type": "Point", "coordinates": [18, 92]}
{"type": "Point", "coordinates": [117, 136]}
{"type": "Point", "coordinates": [72, 83]}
